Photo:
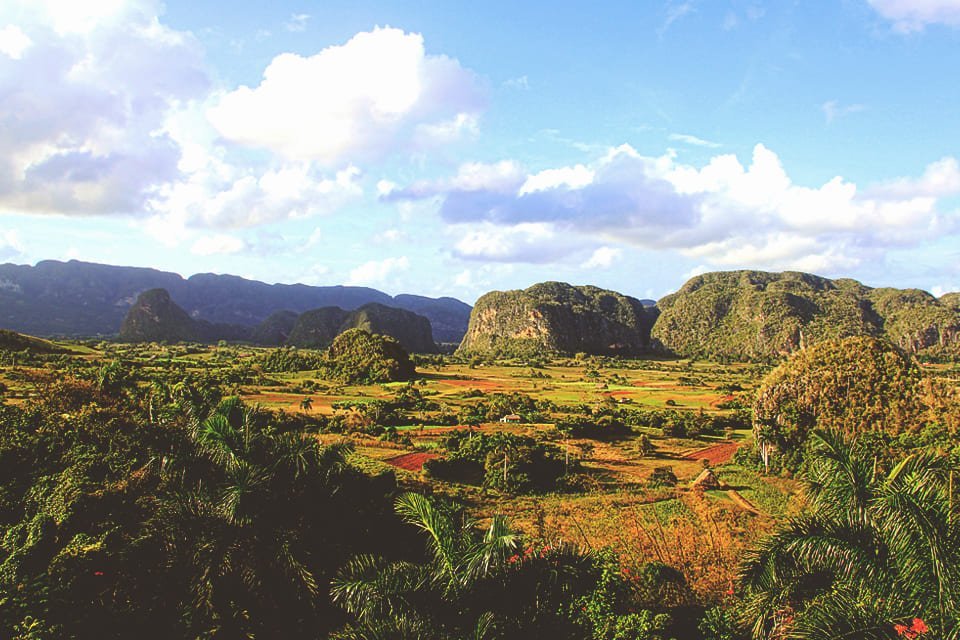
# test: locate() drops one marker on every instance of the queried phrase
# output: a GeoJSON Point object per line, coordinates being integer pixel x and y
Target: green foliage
{"type": "Point", "coordinates": [504, 461]}
{"type": "Point", "coordinates": [359, 356]}
{"type": "Point", "coordinates": [608, 611]}
{"type": "Point", "coordinates": [879, 546]}
{"type": "Point", "coordinates": [471, 582]}
{"type": "Point", "coordinates": [856, 385]}
{"type": "Point", "coordinates": [662, 477]}
{"type": "Point", "coordinates": [148, 511]}
{"type": "Point", "coordinates": [555, 317]}
{"type": "Point", "coordinates": [290, 359]}
{"type": "Point", "coordinates": [754, 315]}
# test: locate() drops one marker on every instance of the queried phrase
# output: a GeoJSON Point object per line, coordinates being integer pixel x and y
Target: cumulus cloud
{"type": "Point", "coordinates": [525, 242]}
{"type": "Point", "coordinates": [350, 102]}
{"type": "Point", "coordinates": [602, 258]}
{"type": "Point", "coordinates": [219, 244]}
{"type": "Point", "coordinates": [85, 131]}
{"type": "Point", "coordinates": [723, 213]}
{"type": "Point", "coordinates": [378, 272]}
{"type": "Point", "coordinates": [13, 42]}
{"type": "Point", "coordinates": [914, 15]}
{"type": "Point", "coordinates": [10, 246]}
{"type": "Point", "coordinates": [82, 127]}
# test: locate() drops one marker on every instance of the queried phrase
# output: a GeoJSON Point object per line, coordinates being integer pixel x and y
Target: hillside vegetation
{"type": "Point", "coordinates": [555, 317]}
{"type": "Point", "coordinates": [155, 317]}
{"type": "Point", "coordinates": [754, 315]}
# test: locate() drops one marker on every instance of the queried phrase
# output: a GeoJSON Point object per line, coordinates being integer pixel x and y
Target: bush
{"type": "Point", "coordinates": [662, 477]}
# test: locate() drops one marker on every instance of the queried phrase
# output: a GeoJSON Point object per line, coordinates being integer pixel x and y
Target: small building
{"type": "Point", "coordinates": [512, 418]}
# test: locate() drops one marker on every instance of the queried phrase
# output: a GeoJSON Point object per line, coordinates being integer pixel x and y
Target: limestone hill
{"type": "Point", "coordinates": [555, 317]}
{"type": "Point", "coordinates": [755, 315]}
{"type": "Point", "coordinates": [317, 328]}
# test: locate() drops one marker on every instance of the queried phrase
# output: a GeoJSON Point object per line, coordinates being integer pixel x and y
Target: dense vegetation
{"type": "Point", "coordinates": [855, 386]}
{"type": "Point", "coordinates": [554, 317]}
{"type": "Point", "coordinates": [206, 519]}
{"type": "Point", "coordinates": [317, 328]}
{"type": "Point", "coordinates": [876, 555]}
{"type": "Point", "coordinates": [754, 315]}
{"type": "Point", "coordinates": [143, 492]}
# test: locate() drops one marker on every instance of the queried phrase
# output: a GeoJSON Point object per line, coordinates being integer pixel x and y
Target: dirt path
{"type": "Point", "coordinates": [716, 454]}
{"type": "Point", "coordinates": [411, 461]}
{"type": "Point", "coordinates": [742, 502]}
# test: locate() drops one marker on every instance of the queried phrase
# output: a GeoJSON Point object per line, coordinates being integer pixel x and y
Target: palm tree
{"type": "Point", "coordinates": [306, 404]}
{"type": "Point", "coordinates": [874, 550]}
{"type": "Point", "coordinates": [384, 595]}
{"type": "Point", "coordinates": [475, 582]}
{"type": "Point", "coordinates": [236, 521]}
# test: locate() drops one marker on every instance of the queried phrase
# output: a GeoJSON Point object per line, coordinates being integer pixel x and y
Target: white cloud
{"type": "Point", "coordinates": [520, 82]}
{"type": "Point", "coordinates": [220, 244]}
{"type": "Point", "coordinates": [941, 289]}
{"type": "Point", "coordinates": [84, 125]}
{"type": "Point", "coordinates": [13, 42]}
{"type": "Point", "coordinates": [833, 110]}
{"type": "Point", "coordinates": [378, 272]}
{"type": "Point", "coordinates": [602, 258]}
{"type": "Point", "coordinates": [526, 242]}
{"type": "Point", "coordinates": [463, 125]}
{"type": "Point", "coordinates": [722, 213]}
{"type": "Point", "coordinates": [390, 236]}
{"type": "Point", "coordinates": [940, 179]}
{"type": "Point", "coordinates": [675, 11]}
{"type": "Point", "coordinates": [913, 15]}
{"type": "Point", "coordinates": [575, 177]}
{"type": "Point", "coordinates": [358, 100]}
{"type": "Point", "coordinates": [297, 22]}
{"type": "Point", "coordinates": [10, 245]}
{"type": "Point", "coordinates": [693, 140]}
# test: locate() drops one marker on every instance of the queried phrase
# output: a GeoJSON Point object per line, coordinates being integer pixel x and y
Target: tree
{"type": "Point", "coordinates": [877, 548]}
{"type": "Point", "coordinates": [473, 583]}
{"type": "Point", "coordinates": [853, 385]}
{"type": "Point", "coordinates": [306, 404]}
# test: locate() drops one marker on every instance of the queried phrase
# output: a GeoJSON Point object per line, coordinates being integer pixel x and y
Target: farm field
{"type": "Point", "coordinates": [615, 504]}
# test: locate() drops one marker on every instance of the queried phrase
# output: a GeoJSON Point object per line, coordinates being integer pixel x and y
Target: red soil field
{"type": "Point", "coordinates": [482, 385]}
{"type": "Point", "coordinates": [411, 461]}
{"type": "Point", "coordinates": [717, 454]}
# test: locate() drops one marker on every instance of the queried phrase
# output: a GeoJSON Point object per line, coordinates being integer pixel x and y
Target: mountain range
{"type": "Point", "coordinates": [86, 299]}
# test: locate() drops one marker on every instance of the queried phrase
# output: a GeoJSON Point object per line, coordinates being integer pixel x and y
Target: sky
{"type": "Point", "coordinates": [451, 148]}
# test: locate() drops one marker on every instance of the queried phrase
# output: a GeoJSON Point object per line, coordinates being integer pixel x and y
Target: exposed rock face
{"type": "Point", "coordinates": [154, 317]}
{"type": "Point", "coordinates": [317, 328]}
{"type": "Point", "coordinates": [555, 317]}
{"type": "Point", "coordinates": [755, 315]}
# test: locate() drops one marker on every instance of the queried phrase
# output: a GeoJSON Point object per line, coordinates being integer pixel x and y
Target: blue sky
{"type": "Point", "coordinates": [450, 148]}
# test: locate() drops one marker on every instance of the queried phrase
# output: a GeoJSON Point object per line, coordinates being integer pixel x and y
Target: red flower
{"type": "Point", "coordinates": [98, 573]}
{"type": "Point", "coordinates": [919, 626]}
{"type": "Point", "coordinates": [729, 590]}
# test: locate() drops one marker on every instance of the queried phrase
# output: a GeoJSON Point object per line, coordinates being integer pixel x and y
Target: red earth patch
{"type": "Point", "coordinates": [717, 454]}
{"type": "Point", "coordinates": [482, 385]}
{"type": "Point", "coordinates": [411, 461]}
